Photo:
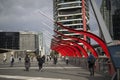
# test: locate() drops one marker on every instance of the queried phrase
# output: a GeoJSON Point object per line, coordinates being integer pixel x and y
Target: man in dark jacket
{"type": "Point", "coordinates": [91, 64]}
{"type": "Point", "coordinates": [40, 62]}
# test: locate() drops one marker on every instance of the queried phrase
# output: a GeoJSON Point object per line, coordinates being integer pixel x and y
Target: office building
{"type": "Point", "coordinates": [27, 41]}
{"type": "Point", "coordinates": [20, 40]}
{"type": "Point", "coordinates": [69, 13]}
{"type": "Point", "coordinates": [9, 40]}
{"type": "Point", "coordinates": [110, 10]}
{"type": "Point", "coordinates": [115, 11]}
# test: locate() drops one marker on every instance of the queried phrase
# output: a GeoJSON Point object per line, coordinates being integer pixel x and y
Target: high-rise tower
{"type": "Point", "coordinates": [73, 14]}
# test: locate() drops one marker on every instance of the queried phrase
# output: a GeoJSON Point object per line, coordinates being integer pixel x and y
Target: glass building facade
{"type": "Point", "coordinates": [9, 40]}
{"type": "Point", "coordinates": [110, 10]}
{"type": "Point", "coordinates": [116, 18]}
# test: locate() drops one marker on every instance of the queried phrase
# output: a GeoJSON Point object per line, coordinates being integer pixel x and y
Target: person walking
{"type": "Point", "coordinates": [11, 61]}
{"type": "Point", "coordinates": [50, 58]}
{"type": "Point", "coordinates": [55, 60]}
{"type": "Point", "coordinates": [43, 57]}
{"type": "Point", "coordinates": [27, 63]}
{"type": "Point", "coordinates": [91, 64]}
{"type": "Point", "coordinates": [67, 60]}
{"type": "Point", "coordinates": [40, 62]}
{"type": "Point", "coordinates": [19, 59]}
{"type": "Point", "coordinates": [4, 60]}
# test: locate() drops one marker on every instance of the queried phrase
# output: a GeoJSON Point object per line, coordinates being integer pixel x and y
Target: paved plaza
{"type": "Point", "coordinates": [60, 71]}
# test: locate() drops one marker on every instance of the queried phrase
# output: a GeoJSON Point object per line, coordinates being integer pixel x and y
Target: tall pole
{"type": "Point", "coordinates": [84, 20]}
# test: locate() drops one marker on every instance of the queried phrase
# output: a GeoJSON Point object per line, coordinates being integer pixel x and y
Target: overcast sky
{"type": "Point", "coordinates": [24, 15]}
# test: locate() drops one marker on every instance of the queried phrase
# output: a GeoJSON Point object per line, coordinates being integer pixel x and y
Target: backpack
{"type": "Point", "coordinates": [92, 60]}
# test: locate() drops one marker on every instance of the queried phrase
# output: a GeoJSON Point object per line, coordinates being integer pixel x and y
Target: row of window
{"type": "Point", "coordinates": [63, 1]}
{"type": "Point", "coordinates": [72, 27]}
{"type": "Point", "coordinates": [70, 17]}
{"type": "Point", "coordinates": [72, 22]}
{"type": "Point", "coordinates": [70, 11]}
{"type": "Point", "coordinates": [70, 5]}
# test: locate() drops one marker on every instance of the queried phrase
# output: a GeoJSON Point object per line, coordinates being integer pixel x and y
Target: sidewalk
{"type": "Point", "coordinates": [60, 71]}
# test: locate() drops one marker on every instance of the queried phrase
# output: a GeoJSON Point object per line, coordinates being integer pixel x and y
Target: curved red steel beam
{"type": "Point", "coordinates": [88, 34]}
{"type": "Point", "coordinates": [62, 52]}
{"type": "Point", "coordinates": [81, 49]}
{"type": "Point", "coordinates": [82, 41]}
{"type": "Point", "coordinates": [68, 44]}
{"type": "Point", "coordinates": [84, 53]}
{"type": "Point", "coordinates": [76, 51]}
{"type": "Point", "coordinates": [68, 50]}
{"type": "Point", "coordinates": [63, 47]}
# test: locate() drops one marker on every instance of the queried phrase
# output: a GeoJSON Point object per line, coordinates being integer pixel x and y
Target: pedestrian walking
{"type": "Point", "coordinates": [27, 62]}
{"type": "Point", "coordinates": [67, 60]}
{"type": "Point", "coordinates": [11, 61]}
{"type": "Point", "coordinates": [50, 58]}
{"type": "Point", "coordinates": [55, 60]}
{"type": "Point", "coordinates": [47, 58]}
{"type": "Point", "coordinates": [19, 59]}
{"type": "Point", "coordinates": [4, 59]}
{"type": "Point", "coordinates": [40, 62]}
{"type": "Point", "coordinates": [43, 57]}
{"type": "Point", "coordinates": [91, 64]}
